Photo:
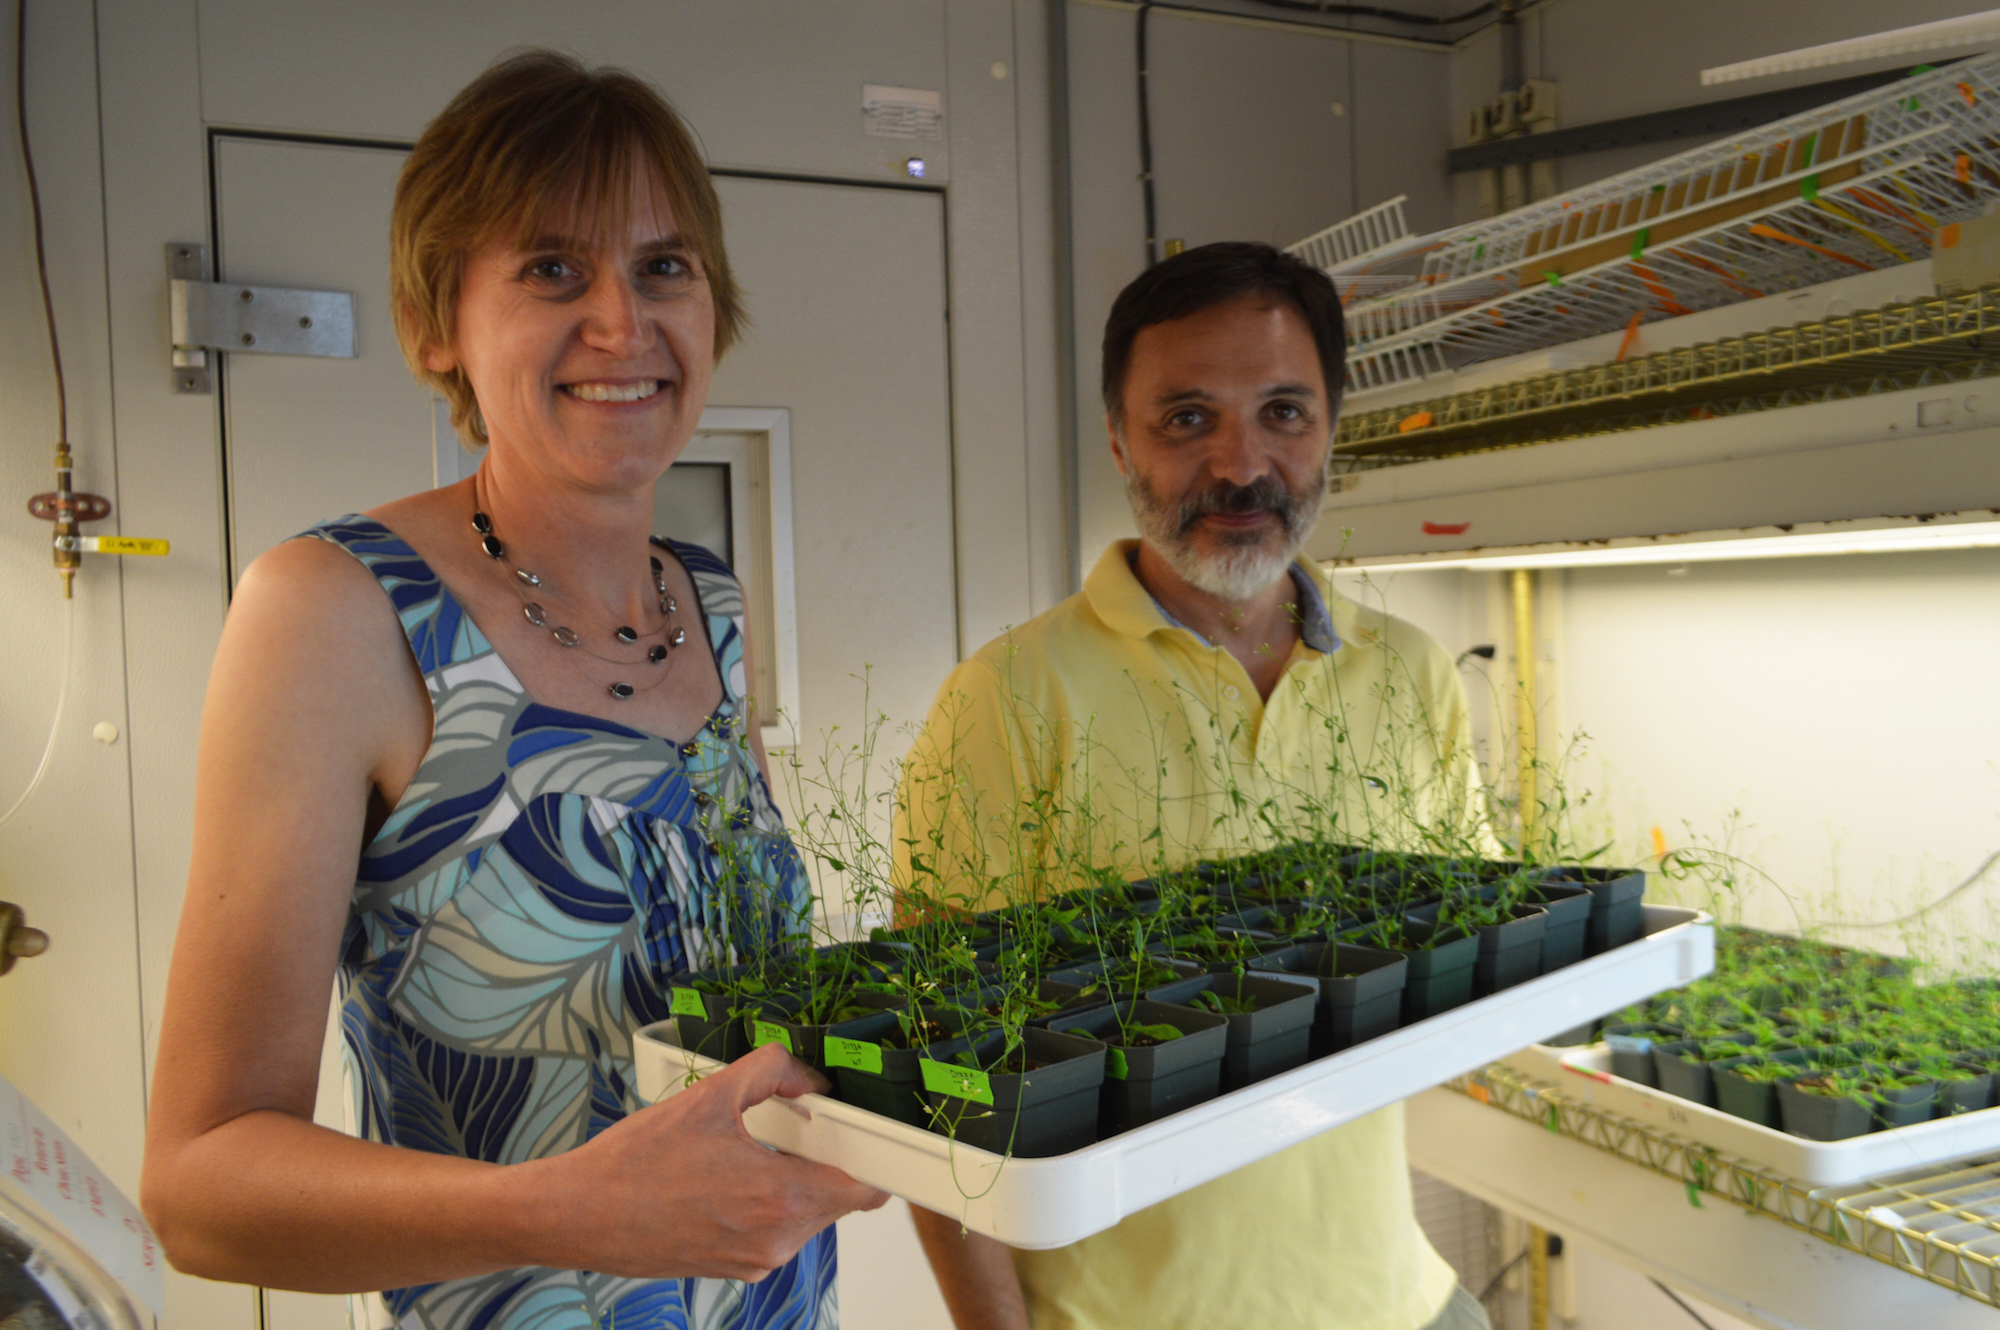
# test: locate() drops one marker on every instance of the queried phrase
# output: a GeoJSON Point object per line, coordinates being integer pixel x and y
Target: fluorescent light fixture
{"type": "Point", "coordinates": [1706, 548]}
{"type": "Point", "coordinates": [1971, 30]}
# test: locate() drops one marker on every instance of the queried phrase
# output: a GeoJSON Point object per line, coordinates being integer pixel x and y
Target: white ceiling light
{"type": "Point", "coordinates": [1972, 30]}
{"type": "Point", "coordinates": [1709, 548]}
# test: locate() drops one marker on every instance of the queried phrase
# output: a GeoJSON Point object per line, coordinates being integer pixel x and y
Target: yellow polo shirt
{"type": "Point", "coordinates": [1101, 733]}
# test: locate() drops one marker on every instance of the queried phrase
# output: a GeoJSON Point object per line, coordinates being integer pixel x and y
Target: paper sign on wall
{"type": "Point", "coordinates": [901, 113]}
{"type": "Point", "coordinates": [41, 1158]}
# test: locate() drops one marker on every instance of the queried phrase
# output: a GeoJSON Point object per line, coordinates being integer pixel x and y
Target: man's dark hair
{"type": "Point", "coordinates": [1196, 279]}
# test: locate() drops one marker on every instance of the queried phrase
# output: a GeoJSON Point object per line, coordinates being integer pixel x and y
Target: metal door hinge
{"type": "Point", "coordinates": [226, 316]}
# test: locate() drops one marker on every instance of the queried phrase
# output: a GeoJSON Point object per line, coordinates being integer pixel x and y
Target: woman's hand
{"type": "Point", "coordinates": [682, 1189]}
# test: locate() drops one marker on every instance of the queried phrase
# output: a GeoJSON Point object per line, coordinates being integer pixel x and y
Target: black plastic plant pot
{"type": "Point", "coordinates": [708, 1022]}
{"type": "Point", "coordinates": [1688, 1078]}
{"type": "Point", "coordinates": [1087, 973]}
{"type": "Point", "coordinates": [869, 1071]}
{"type": "Point", "coordinates": [884, 957]}
{"type": "Point", "coordinates": [1904, 1105]}
{"type": "Point", "coordinates": [1632, 1049]}
{"type": "Point", "coordinates": [775, 1020]}
{"type": "Point", "coordinates": [1510, 952]}
{"type": "Point", "coordinates": [1752, 1098]}
{"type": "Point", "coordinates": [1976, 1093]}
{"type": "Point", "coordinates": [1568, 929]}
{"type": "Point", "coordinates": [1145, 1084]}
{"type": "Point", "coordinates": [1822, 1117]}
{"type": "Point", "coordinates": [1282, 957]}
{"type": "Point", "coordinates": [1440, 972]}
{"type": "Point", "coordinates": [1360, 990]}
{"type": "Point", "coordinates": [1617, 907]}
{"type": "Point", "coordinates": [1968, 1095]}
{"type": "Point", "coordinates": [1050, 1109]}
{"type": "Point", "coordinates": [1273, 1038]}
{"type": "Point", "coordinates": [1067, 998]}
{"type": "Point", "coordinates": [1409, 888]}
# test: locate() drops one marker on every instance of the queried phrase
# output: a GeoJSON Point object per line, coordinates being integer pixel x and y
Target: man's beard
{"type": "Point", "coordinates": [1248, 561]}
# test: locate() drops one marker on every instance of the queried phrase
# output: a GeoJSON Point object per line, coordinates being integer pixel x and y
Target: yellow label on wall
{"type": "Point", "coordinates": [130, 545]}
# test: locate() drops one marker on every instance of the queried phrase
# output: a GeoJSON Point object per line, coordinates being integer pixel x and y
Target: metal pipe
{"type": "Point", "coordinates": [1511, 75]}
{"type": "Point", "coordinates": [1538, 1278]}
{"type": "Point", "coordinates": [1061, 199]}
{"type": "Point", "coordinates": [1527, 773]}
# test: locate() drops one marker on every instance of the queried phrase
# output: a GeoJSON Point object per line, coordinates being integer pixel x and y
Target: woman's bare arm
{"type": "Point", "coordinates": [314, 703]}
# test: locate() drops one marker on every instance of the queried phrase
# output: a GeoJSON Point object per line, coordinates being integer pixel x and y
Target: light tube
{"type": "Point", "coordinates": [1970, 30]}
{"type": "Point", "coordinates": [1881, 540]}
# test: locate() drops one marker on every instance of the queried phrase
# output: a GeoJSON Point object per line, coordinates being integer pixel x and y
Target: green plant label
{"type": "Point", "coordinates": [764, 1032]}
{"type": "Point", "coordinates": [1114, 1064]}
{"type": "Point", "coordinates": [958, 1082]}
{"type": "Point", "coordinates": [856, 1053]}
{"type": "Point", "coordinates": [686, 1002]}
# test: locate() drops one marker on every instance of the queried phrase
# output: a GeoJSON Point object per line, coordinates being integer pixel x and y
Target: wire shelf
{"type": "Point", "coordinates": [1941, 1222]}
{"type": "Point", "coordinates": [1860, 184]}
{"type": "Point", "coordinates": [1902, 345]}
{"type": "Point", "coordinates": [1356, 240]}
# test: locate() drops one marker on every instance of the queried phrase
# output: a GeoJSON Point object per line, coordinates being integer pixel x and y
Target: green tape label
{"type": "Point", "coordinates": [856, 1053]}
{"type": "Point", "coordinates": [1114, 1064]}
{"type": "Point", "coordinates": [686, 1002]}
{"type": "Point", "coordinates": [956, 1081]}
{"type": "Point", "coordinates": [764, 1032]}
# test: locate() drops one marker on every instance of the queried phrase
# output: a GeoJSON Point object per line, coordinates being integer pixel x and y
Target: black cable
{"type": "Point", "coordinates": [1698, 1319]}
{"type": "Point", "coordinates": [1145, 146]}
{"type": "Point", "coordinates": [35, 203]}
{"type": "Point", "coordinates": [1501, 1274]}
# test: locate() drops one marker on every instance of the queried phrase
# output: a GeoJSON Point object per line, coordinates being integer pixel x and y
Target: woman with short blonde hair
{"type": "Point", "coordinates": [482, 752]}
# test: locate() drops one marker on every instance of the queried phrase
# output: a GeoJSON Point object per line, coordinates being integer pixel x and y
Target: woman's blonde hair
{"type": "Point", "coordinates": [536, 143]}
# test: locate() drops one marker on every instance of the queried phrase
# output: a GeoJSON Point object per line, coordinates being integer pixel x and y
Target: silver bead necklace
{"type": "Point", "coordinates": [670, 634]}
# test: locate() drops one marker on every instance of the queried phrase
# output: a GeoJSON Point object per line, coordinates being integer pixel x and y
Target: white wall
{"type": "Point", "coordinates": [1833, 722]}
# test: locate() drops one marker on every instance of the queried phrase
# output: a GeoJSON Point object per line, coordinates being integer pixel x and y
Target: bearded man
{"type": "Point", "coordinates": [1208, 691]}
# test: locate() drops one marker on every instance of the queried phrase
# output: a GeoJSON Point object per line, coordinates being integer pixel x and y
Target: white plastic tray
{"type": "Point", "coordinates": [1053, 1202]}
{"type": "Point", "coordinates": [1585, 1074]}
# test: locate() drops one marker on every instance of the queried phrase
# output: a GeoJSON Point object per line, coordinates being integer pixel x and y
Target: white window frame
{"type": "Point", "coordinates": [763, 554]}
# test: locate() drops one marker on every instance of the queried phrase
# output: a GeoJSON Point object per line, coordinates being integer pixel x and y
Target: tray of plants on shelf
{"type": "Point", "coordinates": [1827, 1064]}
{"type": "Point", "coordinates": [1042, 1070]}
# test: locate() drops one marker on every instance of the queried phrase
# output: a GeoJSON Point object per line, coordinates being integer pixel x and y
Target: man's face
{"type": "Point", "coordinates": [1225, 442]}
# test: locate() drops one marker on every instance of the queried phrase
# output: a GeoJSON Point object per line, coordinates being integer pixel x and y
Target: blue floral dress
{"type": "Point", "coordinates": [522, 912]}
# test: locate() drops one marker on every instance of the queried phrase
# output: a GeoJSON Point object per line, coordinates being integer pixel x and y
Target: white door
{"type": "Point", "coordinates": [845, 286]}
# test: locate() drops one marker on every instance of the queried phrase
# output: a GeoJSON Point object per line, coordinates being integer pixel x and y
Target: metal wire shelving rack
{"type": "Point", "coordinates": [1943, 339]}
{"type": "Point", "coordinates": [1860, 184]}
{"type": "Point", "coordinates": [1940, 1223]}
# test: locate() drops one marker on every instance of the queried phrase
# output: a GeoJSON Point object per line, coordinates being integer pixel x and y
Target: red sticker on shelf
{"type": "Point", "coordinates": [1446, 528]}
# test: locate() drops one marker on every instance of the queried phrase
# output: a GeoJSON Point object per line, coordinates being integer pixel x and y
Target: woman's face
{"type": "Point", "coordinates": [590, 359]}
